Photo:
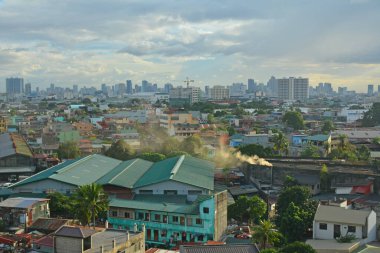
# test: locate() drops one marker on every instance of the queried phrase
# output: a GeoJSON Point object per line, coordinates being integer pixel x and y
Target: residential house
{"type": "Point", "coordinates": [331, 222]}
{"type": "Point", "coordinates": [20, 213]}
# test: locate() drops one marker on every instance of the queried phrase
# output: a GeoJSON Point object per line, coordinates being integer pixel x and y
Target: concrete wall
{"type": "Point", "coordinates": [182, 189]}
{"type": "Point", "coordinates": [220, 218]}
{"type": "Point", "coordinates": [45, 185]}
{"type": "Point", "coordinates": [329, 233]}
{"type": "Point", "coordinates": [371, 221]}
{"type": "Point", "coordinates": [68, 245]}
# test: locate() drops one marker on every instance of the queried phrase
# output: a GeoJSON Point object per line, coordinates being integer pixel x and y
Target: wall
{"type": "Point", "coordinates": [329, 233]}
{"type": "Point", "coordinates": [371, 221]}
{"type": "Point", "coordinates": [68, 245]}
{"type": "Point", "coordinates": [220, 218]}
{"type": "Point", "coordinates": [45, 185]}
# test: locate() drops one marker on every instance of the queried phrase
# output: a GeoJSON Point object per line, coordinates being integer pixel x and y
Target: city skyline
{"type": "Point", "coordinates": [214, 43]}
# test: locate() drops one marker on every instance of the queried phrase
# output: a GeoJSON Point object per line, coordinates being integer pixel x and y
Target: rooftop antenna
{"type": "Point", "coordinates": [188, 81]}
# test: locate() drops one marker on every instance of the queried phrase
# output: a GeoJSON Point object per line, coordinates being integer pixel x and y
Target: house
{"type": "Point", "coordinates": [47, 225]}
{"type": "Point", "coordinates": [69, 239]}
{"type": "Point", "coordinates": [331, 222]}
{"type": "Point", "coordinates": [16, 157]}
{"type": "Point", "coordinates": [312, 182]}
{"type": "Point", "coordinates": [20, 213]}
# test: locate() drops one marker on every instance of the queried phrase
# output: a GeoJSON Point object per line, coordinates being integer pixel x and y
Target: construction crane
{"type": "Point", "coordinates": [188, 81]}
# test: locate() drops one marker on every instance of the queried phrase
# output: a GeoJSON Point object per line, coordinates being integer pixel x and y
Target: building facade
{"type": "Point", "coordinates": [293, 88]}
{"type": "Point", "coordinates": [219, 93]}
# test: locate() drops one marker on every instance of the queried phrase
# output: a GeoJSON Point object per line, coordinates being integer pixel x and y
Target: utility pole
{"type": "Point", "coordinates": [188, 81]}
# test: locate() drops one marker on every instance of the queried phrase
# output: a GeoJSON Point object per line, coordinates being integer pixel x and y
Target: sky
{"type": "Point", "coordinates": [214, 42]}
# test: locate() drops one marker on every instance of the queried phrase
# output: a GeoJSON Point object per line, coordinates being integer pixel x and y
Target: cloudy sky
{"type": "Point", "coordinates": [215, 42]}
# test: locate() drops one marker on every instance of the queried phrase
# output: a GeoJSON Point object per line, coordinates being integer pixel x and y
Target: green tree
{"type": "Point", "coordinates": [297, 247]}
{"type": "Point", "coordinates": [363, 153]}
{"type": "Point", "coordinates": [255, 149]}
{"type": "Point", "coordinates": [372, 117]}
{"type": "Point", "coordinates": [176, 153]}
{"type": "Point", "coordinates": [343, 141]}
{"type": "Point", "coordinates": [294, 120]}
{"type": "Point", "coordinates": [311, 151]}
{"type": "Point", "coordinates": [68, 150]}
{"type": "Point", "coordinates": [153, 157]}
{"type": "Point", "coordinates": [231, 130]}
{"type": "Point", "coordinates": [257, 209]}
{"type": "Point", "coordinates": [90, 200]}
{"type": "Point", "coordinates": [192, 145]}
{"type": "Point", "coordinates": [328, 126]}
{"type": "Point", "coordinates": [293, 225]}
{"type": "Point", "coordinates": [239, 210]}
{"type": "Point", "coordinates": [325, 179]}
{"type": "Point", "coordinates": [290, 182]}
{"type": "Point", "coordinates": [210, 118]}
{"type": "Point", "coordinates": [170, 145]}
{"type": "Point", "coordinates": [60, 205]}
{"type": "Point", "coordinates": [120, 150]}
{"type": "Point", "coordinates": [272, 250]}
{"type": "Point", "coordinates": [281, 143]}
{"type": "Point", "coordinates": [265, 234]}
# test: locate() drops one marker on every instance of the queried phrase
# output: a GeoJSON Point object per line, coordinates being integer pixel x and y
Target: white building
{"type": "Point", "coordinates": [219, 93]}
{"type": "Point", "coordinates": [293, 88]}
{"type": "Point", "coordinates": [352, 115]}
{"type": "Point", "coordinates": [238, 90]}
{"type": "Point", "coordinates": [331, 222]}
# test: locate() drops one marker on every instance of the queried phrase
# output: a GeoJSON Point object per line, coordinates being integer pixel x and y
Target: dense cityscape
{"type": "Point", "coordinates": [182, 127]}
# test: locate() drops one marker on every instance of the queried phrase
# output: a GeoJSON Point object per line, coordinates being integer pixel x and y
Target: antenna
{"type": "Point", "coordinates": [188, 81]}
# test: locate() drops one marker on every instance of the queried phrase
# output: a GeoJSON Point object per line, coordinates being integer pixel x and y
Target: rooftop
{"type": "Point", "coordinates": [11, 144]}
{"type": "Point", "coordinates": [76, 232]}
{"type": "Point", "coordinates": [334, 214]}
{"type": "Point", "coordinates": [228, 248]}
{"type": "Point", "coordinates": [21, 202]}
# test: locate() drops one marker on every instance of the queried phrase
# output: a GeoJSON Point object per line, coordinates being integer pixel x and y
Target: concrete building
{"type": "Point", "coordinates": [180, 96]}
{"type": "Point", "coordinates": [14, 86]}
{"type": "Point", "coordinates": [3, 124]}
{"type": "Point", "coordinates": [219, 93]}
{"type": "Point", "coordinates": [293, 88]}
{"type": "Point", "coordinates": [69, 239]}
{"type": "Point", "coordinates": [331, 222]}
{"type": "Point", "coordinates": [237, 90]}
{"type": "Point", "coordinates": [370, 90]}
{"type": "Point", "coordinates": [251, 86]}
{"type": "Point", "coordinates": [28, 89]}
{"type": "Point", "coordinates": [180, 124]}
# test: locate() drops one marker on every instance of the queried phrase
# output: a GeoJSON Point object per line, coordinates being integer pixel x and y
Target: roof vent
{"type": "Point", "coordinates": [176, 166]}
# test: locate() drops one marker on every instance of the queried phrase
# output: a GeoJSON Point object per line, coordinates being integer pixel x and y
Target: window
{"type": "Point", "coordinates": [146, 191]}
{"type": "Point", "coordinates": [147, 217]}
{"type": "Point", "coordinates": [127, 215]}
{"type": "Point", "coordinates": [164, 218]}
{"type": "Point", "coordinates": [206, 210]}
{"type": "Point", "coordinates": [351, 229]}
{"type": "Point", "coordinates": [322, 226]}
{"type": "Point", "coordinates": [157, 217]}
{"type": "Point", "coordinates": [175, 219]}
{"type": "Point", "coordinates": [170, 192]}
{"type": "Point", "coordinates": [198, 221]}
{"type": "Point", "coordinates": [194, 192]}
{"type": "Point", "coordinates": [114, 213]}
{"type": "Point", "coordinates": [141, 216]}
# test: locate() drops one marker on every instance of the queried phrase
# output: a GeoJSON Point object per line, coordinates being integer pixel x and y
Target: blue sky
{"type": "Point", "coordinates": [214, 42]}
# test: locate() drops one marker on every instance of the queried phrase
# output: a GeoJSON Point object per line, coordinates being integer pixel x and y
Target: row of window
{"type": "Point", "coordinates": [172, 192]}
{"type": "Point", "coordinates": [350, 229]}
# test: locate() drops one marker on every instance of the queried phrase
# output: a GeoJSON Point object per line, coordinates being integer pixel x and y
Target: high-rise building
{"type": "Point", "coordinates": [129, 87]}
{"type": "Point", "coordinates": [104, 88]}
{"type": "Point", "coordinates": [272, 86]}
{"type": "Point", "coordinates": [293, 88]}
{"type": "Point", "coordinates": [75, 89]}
{"type": "Point", "coordinates": [378, 89]}
{"type": "Point", "coordinates": [251, 86]}
{"type": "Point", "coordinates": [120, 89]}
{"type": "Point", "coordinates": [14, 86]}
{"type": "Point", "coordinates": [181, 96]}
{"type": "Point", "coordinates": [168, 87]}
{"type": "Point", "coordinates": [370, 90]}
{"type": "Point", "coordinates": [207, 91]}
{"type": "Point", "coordinates": [28, 89]}
{"type": "Point", "coordinates": [219, 93]}
{"type": "Point", "coordinates": [237, 89]}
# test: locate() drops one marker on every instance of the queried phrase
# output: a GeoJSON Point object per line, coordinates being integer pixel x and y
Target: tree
{"type": "Point", "coordinates": [255, 149]}
{"type": "Point", "coordinates": [281, 144]}
{"type": "Point", "coordinates": [192, 145]}
{"type": "Point", "coordinates": [295, 212]}
{"type": "Point", "coordinates": [68, 150]}
{"type": "Point", "coordinates": [210, 118]}
{"type": "Point", "coordinates": [290, 182]}
{"type": "Point", "coordinates": [269, 251]}
{"type": "Point", "coordinates": [257, 209]}
{"type": "Point", "coordinates": [311, 151]}
{"type": "Point", "coordinates": [60, 205]}
{"type": "Point", "coordinates": [297, 247]}
{"type": "Point", "coordinates": [343, 141]}
{"type": "Point", "coordinates": [90, 200]}
{"type": "Point", "coordinates": [120, 150]}
{"type": "Point", "coordinates": [371, 118]}
{"type": "Point", "coordinates": [265, 234]}
{"type": "Point", "coordinates": [294, 120]}
{"type": "Point", "coordinates": [239, 210]}
{"type": "Point", "coordinates": [363, 153]}
{"type": "Point", "coordinates": [153, 157]}
{"type": "Point", "coordinates": [170, 145]}
{"type": "Point", "coordinates": [231, 130]}
{"type": "Point", "coordinates": [325, 179]}
{"type": "Point", "coordinates": [328, 126]}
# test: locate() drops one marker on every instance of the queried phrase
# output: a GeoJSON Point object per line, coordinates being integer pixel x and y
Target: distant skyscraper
{"type": "Point", "coordinates": [207, 91]}
{"type": "Point", "coordinates": [75, 89]}
{"type": "Point", "coordinates": [251, 86]}
{"type": "Point", "coordinates": [14, 86]}
{"type": "Point", "coordinates": [129, 87]}
{"type": "Point", "coordinates": [370, 90]}
{"type": "Point", "coordinates": [237, 89]}
{"type": "Point", "coordinates": [219, 93]}
{"type": "Point", "coordinates": [378, 89]}
{"type": "Point", "coordinates": [168, 87]}
{"type": "Point", "coordinates": [273, 86]}
{"type": "Point", "coordinates": [28, 89]}
{"type": "Point", "coordinates": [293, 88]}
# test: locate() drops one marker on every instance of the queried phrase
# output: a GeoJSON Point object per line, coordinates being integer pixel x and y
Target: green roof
{"type": "Point", "coordinates": [126, 174]}
{"type": "Point", "coordinates": [76, 172]}
{"type": "Point", "coordinates": [183, 169]}
{"type": "Point", "coordinates": [160, 198]}
{"type": "Point", "coordinates": [318, 137]}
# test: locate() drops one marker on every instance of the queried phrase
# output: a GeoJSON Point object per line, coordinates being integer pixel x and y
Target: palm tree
{"type": "Point", "coordinates": [265, 233]}
{"type": "Point", "coordinates": [342, 141]}
{"type": "Point", "coordinates": [90, 201]}
{"type": "Point", "coordinates": [281, 144]}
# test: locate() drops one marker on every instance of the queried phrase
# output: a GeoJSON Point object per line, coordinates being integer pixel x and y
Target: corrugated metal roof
{"type": "Point", "coordinates": [20, 202]}
{"type": "Point", "coordinates": [11, 144]}
{"type": "Point", "coordinates": [184, 169]}
{"type": "Point", "coordinates": [334, 214]}
{"type": "Point", "coordinates": [68, 231]}
{"type": "Point", "coordinates": [48, 224]}
{"type": "Point", "coordinates": [126, 174]}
